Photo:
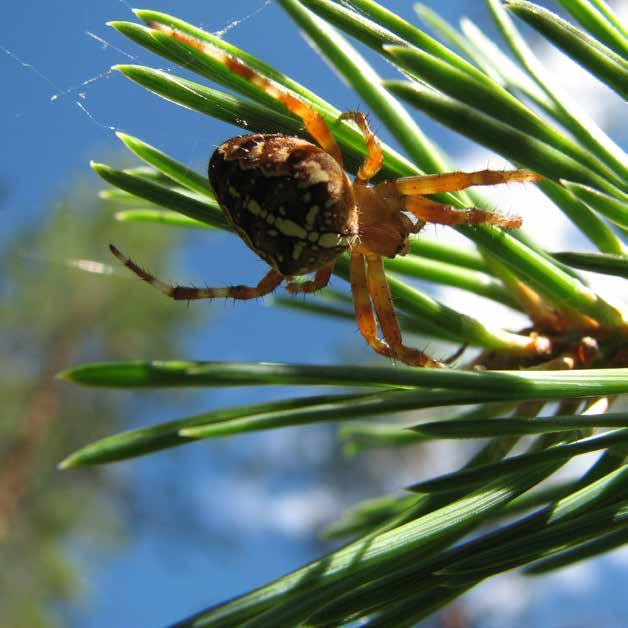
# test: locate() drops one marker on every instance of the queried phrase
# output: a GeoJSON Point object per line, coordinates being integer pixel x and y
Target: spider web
{"type": "Point", "coordinates": [80, 96]}
{"type": "Point", "coordinates": [78, 93]}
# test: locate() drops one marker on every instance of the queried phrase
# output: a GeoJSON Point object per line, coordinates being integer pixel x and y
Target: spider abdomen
{"type": "Point", "coordinates": [288, 199]}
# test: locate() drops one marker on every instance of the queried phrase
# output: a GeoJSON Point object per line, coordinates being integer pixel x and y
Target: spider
{"type": "Point", "coordinates": [293, 204]}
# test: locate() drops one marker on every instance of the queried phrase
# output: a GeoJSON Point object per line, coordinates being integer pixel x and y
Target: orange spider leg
{"type": "Point", "coordinates": [454, 181]}
{"type": "Point", "coordinates": [382, 300]}
{"type": "Point", "coordinates": [312, 120]}
{"type": "Point", "coordinates": [375, 158]}
{"type": "Point", "coordinates": [431, 211]}
{"type": "Point", "coordinates": [362, 305]}
{"type": "Point", "coordinates": [187, 293]}
{"type": "Point", "coordinates": [321, 279]}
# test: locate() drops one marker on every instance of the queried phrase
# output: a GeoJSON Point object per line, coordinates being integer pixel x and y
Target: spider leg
{"type": "Point", "coordinates": [375, 158]}
{"type": "Point", "coordinates": [269, 282]}
{"type": "Point", "coordinates": [454, 181]}
{"type": "Point", "coordinates": [362, 305]}
{"type": "Point", "coordinates": [431, 211]}
{"type": "Point", "coordinates": [312, 120]}
{"type": "Point", "coordinates": [321, 279]}
{"type": "Point", "coordinates": [382, 301]}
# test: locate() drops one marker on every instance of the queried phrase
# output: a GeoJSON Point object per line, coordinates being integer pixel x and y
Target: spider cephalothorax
{"type": "Point", "coordinates": [293, 204]}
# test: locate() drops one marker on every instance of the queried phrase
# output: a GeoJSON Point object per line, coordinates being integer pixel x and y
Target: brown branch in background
{"type": "Point", "coordinates": [454, 616]}
{"type": "Point", "coordinates": [19, 457]}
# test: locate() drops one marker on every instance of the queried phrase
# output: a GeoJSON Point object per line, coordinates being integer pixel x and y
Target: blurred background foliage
{"type": "Point", "coordinates": [52, 314]}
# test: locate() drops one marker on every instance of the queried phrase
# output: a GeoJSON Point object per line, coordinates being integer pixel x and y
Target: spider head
{"type": "Point", "coordinates": [384, 228]}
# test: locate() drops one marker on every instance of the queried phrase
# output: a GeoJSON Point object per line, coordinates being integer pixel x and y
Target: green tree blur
{"type": "Point", "coordinates": [53, 314]}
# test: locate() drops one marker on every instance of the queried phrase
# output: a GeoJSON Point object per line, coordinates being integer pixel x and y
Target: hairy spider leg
{"type": "Point", "coordinates": [363, 307]}
{"type": "Point", "coordinates": [321, 279]}
{"type": "Point", "coordinates": [369, 285]}
{"type": "Point", "coordinates": [387, 318]}
{"type": "Point", "coordinates": [431, 211]}
{"type": "Point", "coordinates": [312, 120]}
{"type": "Point", "coordinates": [412, 190]}
{"type": "Point", "coordinates": [375, 157]}
{"type": "Point", "coordinates": [269, 282]}
{"type": "Point", "coordinates": [454, 181]}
